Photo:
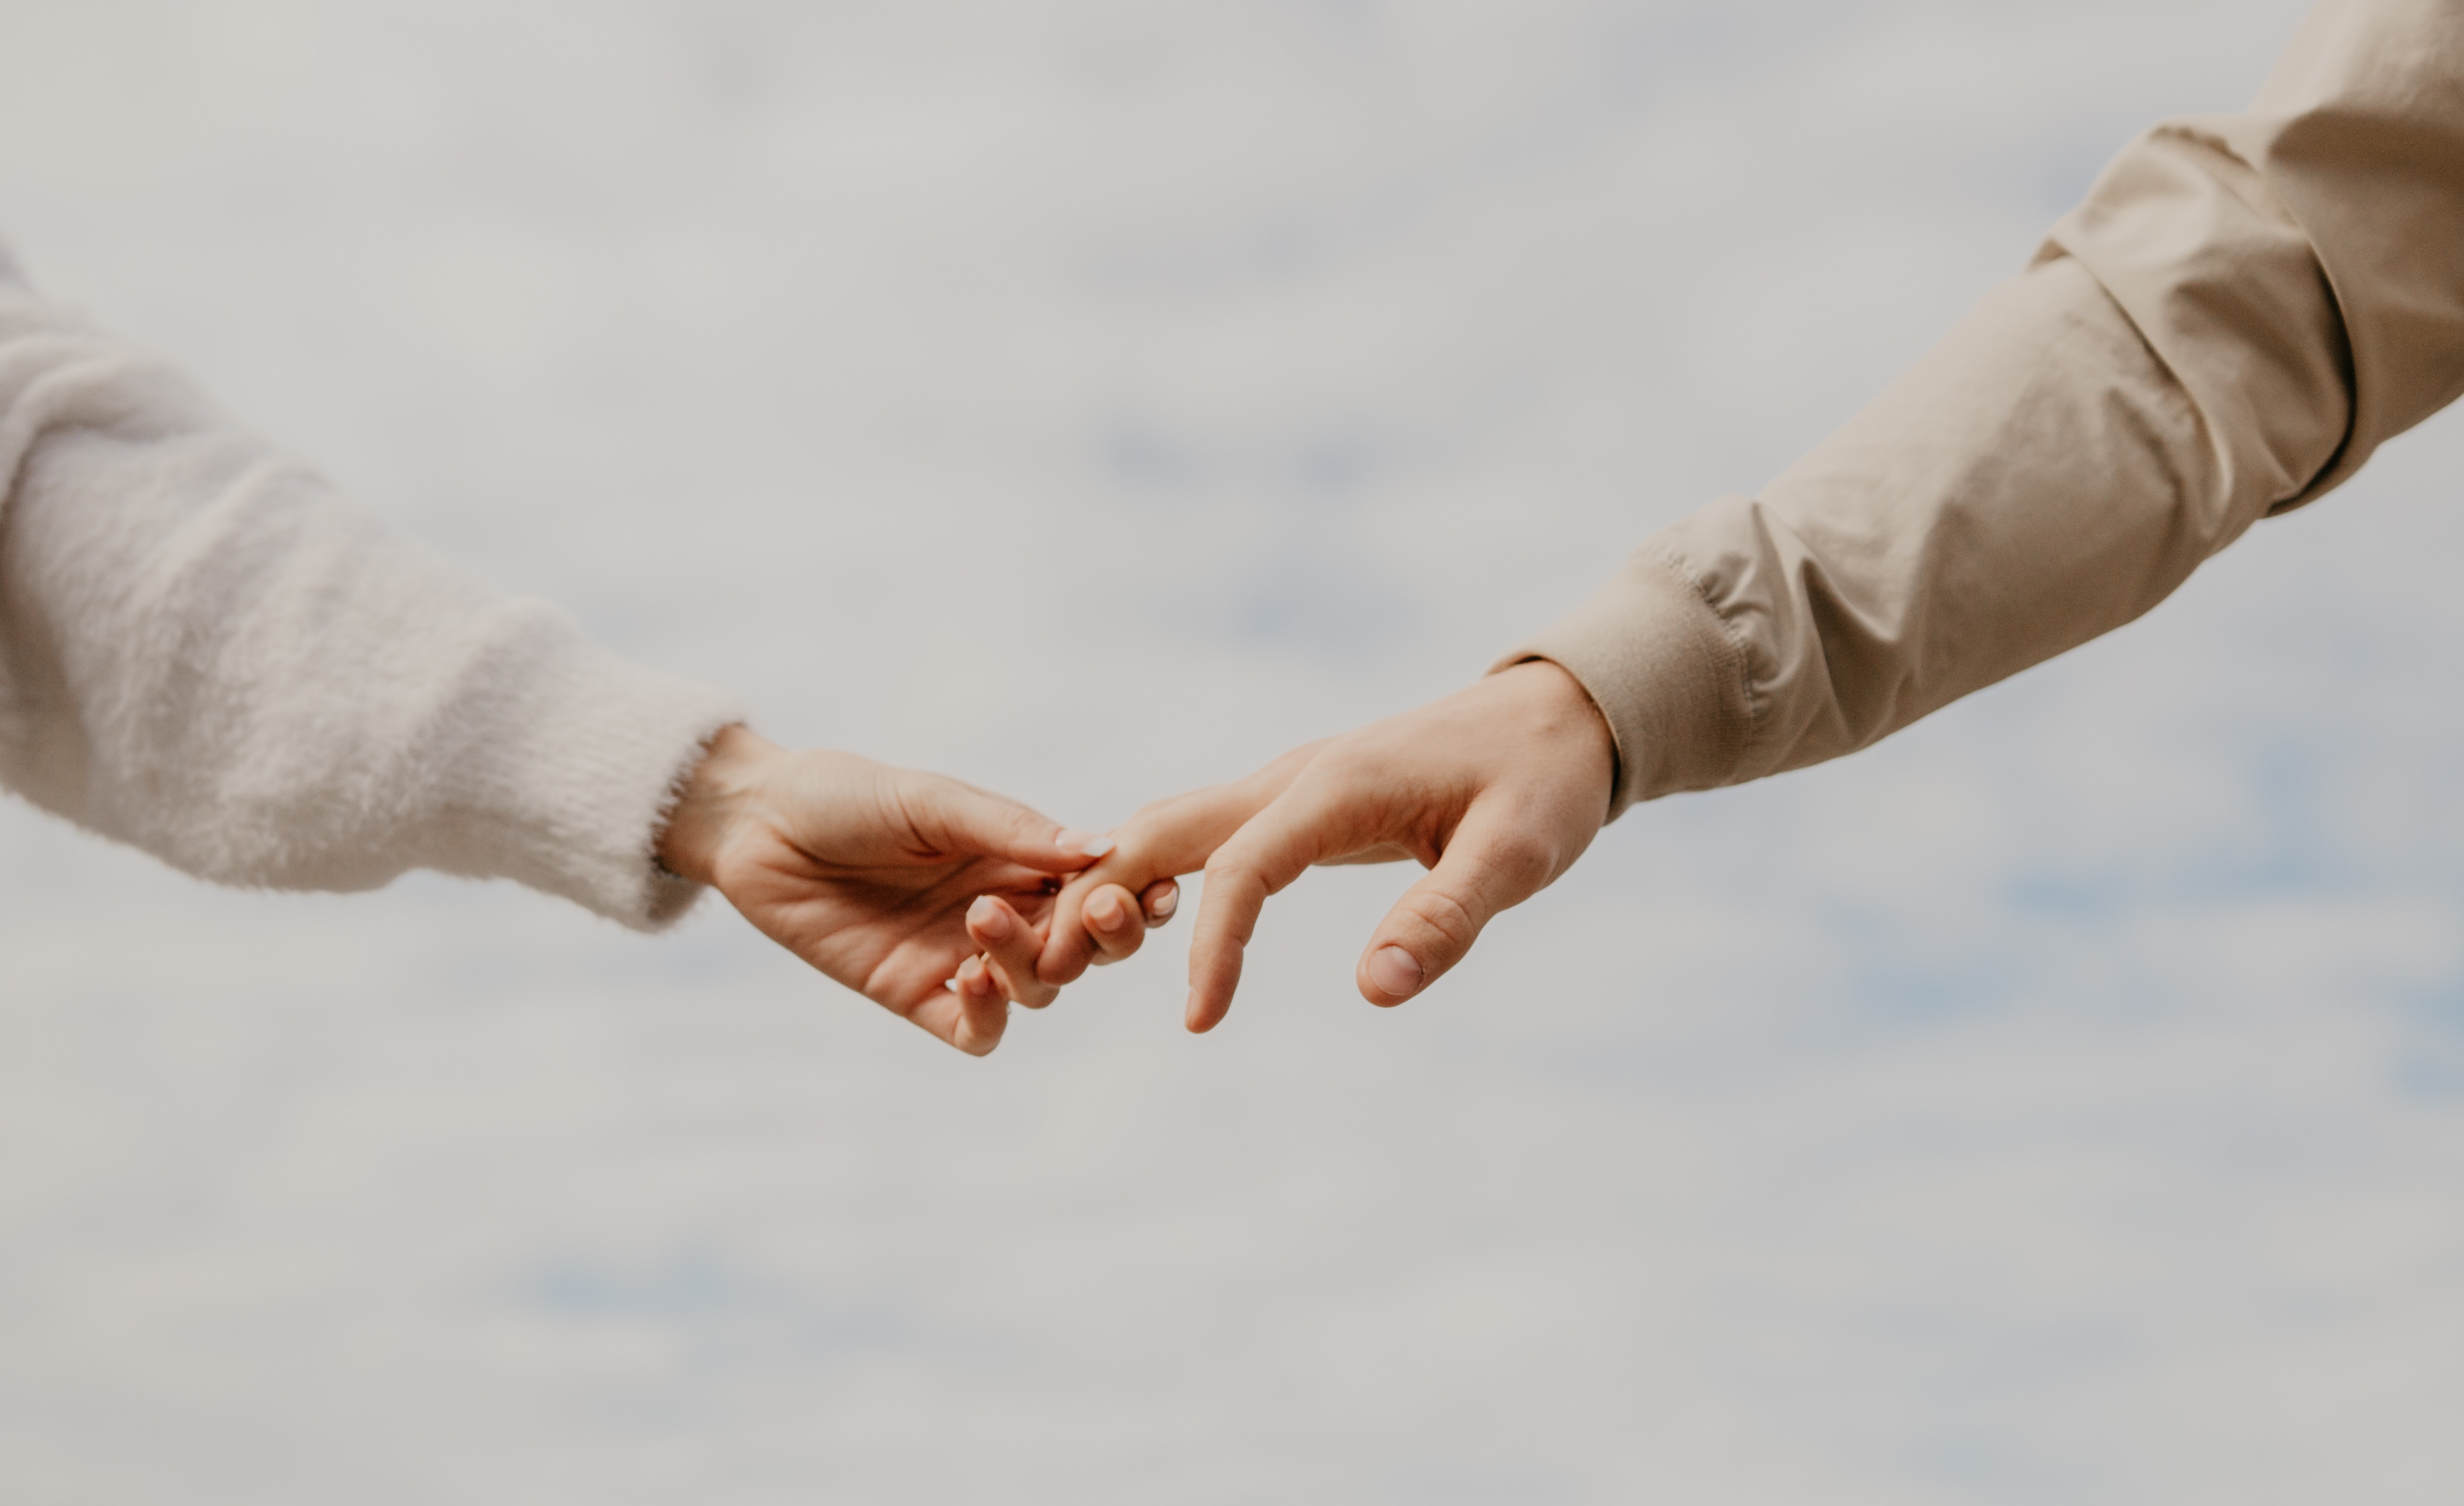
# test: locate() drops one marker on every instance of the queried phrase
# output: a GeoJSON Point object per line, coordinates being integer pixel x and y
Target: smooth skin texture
{"type": "Point", "coordinates": [890, 881]}
{"type": "Point", "coordinates": [1114, 926]}
{"type": "Point", "coordinates": [1496, 790]}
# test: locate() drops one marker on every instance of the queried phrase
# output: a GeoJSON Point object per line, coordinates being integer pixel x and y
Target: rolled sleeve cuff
{"type": "Point", "coordinates": [1663, 670]}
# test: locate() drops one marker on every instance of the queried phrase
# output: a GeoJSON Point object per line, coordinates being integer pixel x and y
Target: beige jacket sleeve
{"type": "Point", "coordinates": [2243, 309]}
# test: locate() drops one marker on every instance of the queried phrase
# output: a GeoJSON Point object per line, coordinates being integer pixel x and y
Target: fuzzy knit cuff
{"type": "Point", "coordinates": [571, 788]}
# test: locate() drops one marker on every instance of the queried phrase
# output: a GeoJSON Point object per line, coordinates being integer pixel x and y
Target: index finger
{"type": "Point", "coordinates": [1306, 825]}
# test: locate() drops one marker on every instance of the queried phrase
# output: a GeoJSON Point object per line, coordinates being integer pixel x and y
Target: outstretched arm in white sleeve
{"type": "Point", "coordinates": [205, 654]}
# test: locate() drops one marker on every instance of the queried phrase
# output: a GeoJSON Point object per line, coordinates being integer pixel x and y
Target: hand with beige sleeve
{"type": "Point", "coordinates": [2242, 309]}
{"type": "Point", "coordinates": [1496, 790]}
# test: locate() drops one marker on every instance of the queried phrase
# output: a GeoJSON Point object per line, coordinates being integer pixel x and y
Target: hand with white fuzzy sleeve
{"type": "Point", "coordinates": [922, 893]}
{"type": "Point", "coordinates": [207, 653]}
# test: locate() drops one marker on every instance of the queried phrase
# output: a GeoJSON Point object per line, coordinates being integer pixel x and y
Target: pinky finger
{"type": "Point", "coordinates": [983, 1013]}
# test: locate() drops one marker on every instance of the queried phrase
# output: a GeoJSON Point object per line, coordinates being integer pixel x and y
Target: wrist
{"type": "Point", "coordinates": [713, 802]}
{"type": "Point", "coordinates": [1572, 725]}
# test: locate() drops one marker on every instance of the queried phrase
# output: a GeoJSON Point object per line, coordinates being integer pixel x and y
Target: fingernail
{"type": "Point", "coordinates": [1105, 910]}
{"type": "Point", "coordinates": [987, 916]}
{"type": "Point", "coordinates": [1395, 970]}
{"type": "Point", "coordinates": [1165, 904]}
{"type": "Point", "coordinates": [951, 984]}
{"type": "Point", "coordinates": [1071, 839]}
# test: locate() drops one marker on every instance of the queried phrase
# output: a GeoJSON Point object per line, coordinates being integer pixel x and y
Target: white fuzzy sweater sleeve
{"type": "Point", "coordinates": [205, 654]}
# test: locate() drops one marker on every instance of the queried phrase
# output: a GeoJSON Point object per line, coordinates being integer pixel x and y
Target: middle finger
{"type": "Point", "coordinates": [1116, 921]}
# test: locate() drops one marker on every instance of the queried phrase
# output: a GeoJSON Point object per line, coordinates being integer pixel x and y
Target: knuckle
{"type": "Point", "coordinates": [1523, 860]}
{"type": "Point", "coordinates": [1452, 919]}
{"type": "Point", "coordinates": [1343, 766]}
{"type": "Point", "coordinates": [1248, 861]}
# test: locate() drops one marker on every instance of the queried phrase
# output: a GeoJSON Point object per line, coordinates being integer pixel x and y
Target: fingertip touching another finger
{"type": "Point", "coordinates": [1160, 900]}
{"type": "Point", "coordinates": [1072, 939]}
{"type": "Point", "coordinates": [982, 1014]}
{"type": "Point", "coordinates": [1116, 923]}
{"type": "Point", "coordinates": [1071, 842]}
{"type": "Point", "coordinates": [1011, 947]}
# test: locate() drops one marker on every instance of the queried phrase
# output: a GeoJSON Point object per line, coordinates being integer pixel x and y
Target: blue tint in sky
{"type": "Point", "coordinates": [1095, 399]}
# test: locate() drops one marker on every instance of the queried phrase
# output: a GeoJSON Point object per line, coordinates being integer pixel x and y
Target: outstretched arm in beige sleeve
{"type": "Point", "coordinates": [2242, 309]}
{"type": "Point", "coordinates": [2245, 307]}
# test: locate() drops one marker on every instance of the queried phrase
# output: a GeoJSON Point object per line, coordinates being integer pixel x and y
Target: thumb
{"type": "Point", "coordinates": [1492, 863]}
{"type": "Point", "coordinates": [954, 819]}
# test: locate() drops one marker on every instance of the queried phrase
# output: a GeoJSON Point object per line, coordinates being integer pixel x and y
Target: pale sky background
{"type": "Point", "coordinates": [1092, 398]}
